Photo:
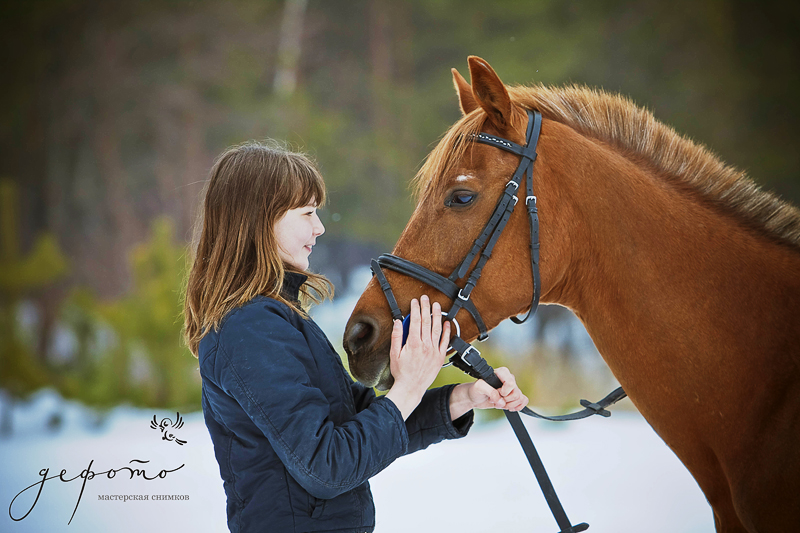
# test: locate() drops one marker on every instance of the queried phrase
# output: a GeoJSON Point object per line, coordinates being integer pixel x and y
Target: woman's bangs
{"type": "Point", "coordinates": [308, 186]}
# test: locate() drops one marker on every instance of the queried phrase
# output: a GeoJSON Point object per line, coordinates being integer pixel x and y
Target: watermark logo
{"type": "Point", "coordinates": [166, 426]}
{"type": "Point", "coordinates": [134, 470]}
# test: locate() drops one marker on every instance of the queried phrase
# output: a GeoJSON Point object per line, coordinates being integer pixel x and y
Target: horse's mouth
{"type": "Point", "coordinates": [385, 380]}
{"type": "Point", "coordinates": [378, 375]}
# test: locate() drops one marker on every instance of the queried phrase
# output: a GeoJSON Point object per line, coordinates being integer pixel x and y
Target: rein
{"type": "Point", "coordinates": [466, 357]}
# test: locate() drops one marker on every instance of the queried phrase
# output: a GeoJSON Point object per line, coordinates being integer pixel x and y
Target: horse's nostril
{"type": "Point", "coordinates": [361, 335]}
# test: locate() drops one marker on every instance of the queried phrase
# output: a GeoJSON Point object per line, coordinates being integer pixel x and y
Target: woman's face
{"type": "Point", "coordinates": [297, 232]}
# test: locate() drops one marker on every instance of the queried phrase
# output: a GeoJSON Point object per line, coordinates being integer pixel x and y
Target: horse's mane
{"type": "Point", "coordinates": [618, 122]}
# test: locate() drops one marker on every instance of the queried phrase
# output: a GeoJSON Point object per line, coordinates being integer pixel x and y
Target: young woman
{"type": "Point", "coordinates": [295, 437]}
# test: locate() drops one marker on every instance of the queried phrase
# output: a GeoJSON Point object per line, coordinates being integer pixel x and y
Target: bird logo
{"type": "Point", "coordinates": [166, 425]}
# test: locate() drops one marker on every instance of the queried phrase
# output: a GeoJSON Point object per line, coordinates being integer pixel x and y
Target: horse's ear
{"type": "Point", "coordinates": [490, 93]}
{"type": "Point", "coordinates": [466, 99]}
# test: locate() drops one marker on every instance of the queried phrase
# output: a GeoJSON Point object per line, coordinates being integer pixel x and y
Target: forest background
{"type": "Point", "coordinates": [113, 113]}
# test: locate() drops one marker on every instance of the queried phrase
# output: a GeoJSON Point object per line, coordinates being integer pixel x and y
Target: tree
{"type": "Point", "coordinates": [21, 275]}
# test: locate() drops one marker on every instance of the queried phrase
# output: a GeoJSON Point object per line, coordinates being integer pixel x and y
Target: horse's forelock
{"type": "Point", "coordinates": [450, 150]}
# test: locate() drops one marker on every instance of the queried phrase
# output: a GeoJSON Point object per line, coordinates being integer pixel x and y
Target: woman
{"type": "Point", "coordinates": [295, 438]}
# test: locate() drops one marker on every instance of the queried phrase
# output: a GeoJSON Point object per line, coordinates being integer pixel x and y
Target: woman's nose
{"type": "Point", "coordinates": [319, 229]}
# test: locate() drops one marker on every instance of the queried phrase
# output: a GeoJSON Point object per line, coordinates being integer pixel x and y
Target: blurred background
{"type": "Point", "coordinates": [113, 113]}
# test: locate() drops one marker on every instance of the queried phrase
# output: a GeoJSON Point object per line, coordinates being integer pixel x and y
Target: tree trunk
{"type": "Point", "coordinates": [380, 53]}
{"type": "Point", "coordinates": [289, 47]}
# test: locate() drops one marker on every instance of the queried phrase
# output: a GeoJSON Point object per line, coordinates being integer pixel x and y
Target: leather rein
{"type": "Point", "coordinates": [465, 356]}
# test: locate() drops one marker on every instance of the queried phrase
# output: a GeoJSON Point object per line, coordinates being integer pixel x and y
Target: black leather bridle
{"type": "Point", "coordinates": [466, 357]}
{"type": "Point", "coordinates": [465, 354]}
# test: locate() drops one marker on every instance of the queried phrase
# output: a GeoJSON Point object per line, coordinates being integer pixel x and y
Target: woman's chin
{"type": "Point", "coordinates": [300, 266]}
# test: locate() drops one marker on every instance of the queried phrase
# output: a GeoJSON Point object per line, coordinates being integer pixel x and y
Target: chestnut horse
{"type": "Point", "coordinates": [684, 273]}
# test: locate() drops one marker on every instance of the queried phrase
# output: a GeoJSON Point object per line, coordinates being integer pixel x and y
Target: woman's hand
{"type": "Point", "coordinates": [481, 395]}
{"type": "Point", "coordinates": [415, 365]}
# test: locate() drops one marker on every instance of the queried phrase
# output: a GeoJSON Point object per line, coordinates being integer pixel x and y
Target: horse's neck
{"type": "Point", "coordinates": [664, 282]}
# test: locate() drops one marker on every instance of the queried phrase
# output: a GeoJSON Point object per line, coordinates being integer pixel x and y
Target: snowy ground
{"type": "Point", "coordinates": [613, 473]}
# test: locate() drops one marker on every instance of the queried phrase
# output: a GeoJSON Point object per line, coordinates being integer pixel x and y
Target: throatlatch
{"type": "Point", "coordinates": [466, 357]}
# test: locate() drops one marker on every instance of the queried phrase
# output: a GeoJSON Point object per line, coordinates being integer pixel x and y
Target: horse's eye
{"type": "Point", "coordinates": [460, 199]}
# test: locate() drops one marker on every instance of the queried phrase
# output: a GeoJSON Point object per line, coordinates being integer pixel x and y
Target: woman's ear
{"type": "Point", "coordinates": [490, 93]}
{"type": "Point", "coordinates": [466, 99]}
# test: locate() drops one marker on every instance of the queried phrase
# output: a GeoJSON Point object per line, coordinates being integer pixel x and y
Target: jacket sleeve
{"type": "Point", "coordinates": [430, 422]}
{"type": "Point", "coordinates": [362, 396]}
{"type": "Point", "coordinates": [266, 365]}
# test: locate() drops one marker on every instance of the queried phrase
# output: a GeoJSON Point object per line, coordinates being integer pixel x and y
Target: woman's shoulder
{"type": "Point", "coordinates": [256, 321]}
{"type": "Point", "coordinates": [258, 308]}
{"type": "Point", "coordinates": [260, 317]}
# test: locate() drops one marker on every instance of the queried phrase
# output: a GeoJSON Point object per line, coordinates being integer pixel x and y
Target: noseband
{"type": "Point", "coordinates": [467, 357]}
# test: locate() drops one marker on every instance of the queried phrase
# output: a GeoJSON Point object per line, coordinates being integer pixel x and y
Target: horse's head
{"type": "Point", "coordinates": [458, 188]}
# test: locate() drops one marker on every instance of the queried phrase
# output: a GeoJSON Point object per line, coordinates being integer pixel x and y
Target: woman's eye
{"type": "Point", "coordinates": [461, 198]}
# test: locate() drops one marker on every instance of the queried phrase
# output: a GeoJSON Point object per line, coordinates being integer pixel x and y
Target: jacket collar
{"type": "Point", "coordinates": [292, 281]}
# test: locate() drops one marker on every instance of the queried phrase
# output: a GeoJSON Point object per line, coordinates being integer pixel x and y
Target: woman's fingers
{"type": "Point", "coordinates": [436, 323]}
{"type": "Point", "coordinates": [489, 393]}
{"type": "Point", "coordinates": [414, 324]}
{"type": "Point", "coordinates": [419, 361]}
{"type": "Point", "coordinates": [507, 397]}
{"type": "Point", "coordinates": [427, 335]}
{"type": "Point", "coordinates": [444, 341]}
{"type": "Point", "coordinates": [519, 404]}
{"type": "Point", "coordinates": [511, 394]}
{"type": "Point", "coordinates": [397, 339]}
{"type": "Point", "coordinates": [425, 325]}
{"type": "Point", "coordinates": [426, 322]}
{"type": "Point", "coordinates": [508, 379]}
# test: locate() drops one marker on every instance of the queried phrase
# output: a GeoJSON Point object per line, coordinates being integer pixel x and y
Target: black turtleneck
{"type": "Point", "coordinates": [292, 281]}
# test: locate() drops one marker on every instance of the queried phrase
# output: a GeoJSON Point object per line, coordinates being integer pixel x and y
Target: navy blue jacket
{"type": "Point", "coordinates": [295, 437]}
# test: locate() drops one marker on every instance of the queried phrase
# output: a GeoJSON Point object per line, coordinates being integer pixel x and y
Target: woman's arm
{"type": "Point", "coordinates": [266, 365]}
{"type": "Point", "coordinates": [426, 412]}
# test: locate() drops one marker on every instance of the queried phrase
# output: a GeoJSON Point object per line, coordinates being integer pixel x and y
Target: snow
{"type": "Point", "coordinates": [615, 474]}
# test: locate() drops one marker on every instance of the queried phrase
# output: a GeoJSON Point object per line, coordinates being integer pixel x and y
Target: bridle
{"type": "Point", "coordinates": [466, 357]}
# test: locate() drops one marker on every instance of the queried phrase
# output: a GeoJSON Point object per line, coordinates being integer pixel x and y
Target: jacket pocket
{"type": "Point", "coordinates": [317, 507]}
{"type": "Point", "coordinates": [304, 505]}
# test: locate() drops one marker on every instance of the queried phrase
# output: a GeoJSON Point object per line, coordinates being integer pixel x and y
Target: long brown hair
{"type": "Point", "coordinates": [251, 186]}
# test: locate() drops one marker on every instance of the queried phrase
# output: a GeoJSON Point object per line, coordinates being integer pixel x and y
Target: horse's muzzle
{"type": "Point", "coordinates": [367, 354]}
